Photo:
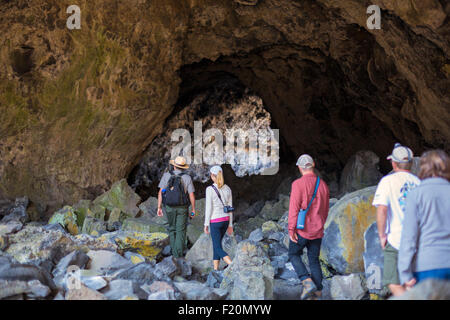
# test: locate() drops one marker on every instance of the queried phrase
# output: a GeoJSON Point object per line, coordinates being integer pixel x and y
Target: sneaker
{"type": "Point", "coordinates": [308, 288]}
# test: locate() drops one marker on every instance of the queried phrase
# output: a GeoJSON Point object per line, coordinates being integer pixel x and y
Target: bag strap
{"type": "Point", "coordinates": [314, 194]}
{"type": "Point", "coordinates": [218, 194]}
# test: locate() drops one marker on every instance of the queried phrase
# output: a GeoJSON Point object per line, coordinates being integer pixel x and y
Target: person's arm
{"type": "Point", "coordinates": [409, 241]}
{"type": "Point", "coordinates": [381, 201]}
{"type": "Point", "coordinates": [294, 208]}
{"type": "Point", "coordinates": [381, 224]}
{"type": "Point", "coordinates": [230, 223]}
{"type": "Point", "coordinates": [208, 209]}
{"type": "Point", "coordinates": [160, 212]}
{"type": "Point", "coordinates": [192, 199]}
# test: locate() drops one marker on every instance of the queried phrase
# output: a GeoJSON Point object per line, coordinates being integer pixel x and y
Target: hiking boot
{"type": "Point", "coordinates": [308, 289]}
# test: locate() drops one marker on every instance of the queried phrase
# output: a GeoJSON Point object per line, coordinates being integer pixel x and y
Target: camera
{"type": "Point", "coordinates": [227, 209]}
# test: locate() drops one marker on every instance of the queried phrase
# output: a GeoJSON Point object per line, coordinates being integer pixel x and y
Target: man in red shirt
{"type": "Point", "coordinates": [311, 236]}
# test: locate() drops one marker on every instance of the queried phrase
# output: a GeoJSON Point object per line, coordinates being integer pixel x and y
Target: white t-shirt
{"type": "Point", "coordinates": [392, 192]}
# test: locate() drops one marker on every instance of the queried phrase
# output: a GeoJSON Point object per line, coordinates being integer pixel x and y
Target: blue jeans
{"type": "Point", "coordinates": [218, 230]}
{"type": "Point", "coordinates": [441, 274]}
{"type": "Point", "coordinates": [313, 252]}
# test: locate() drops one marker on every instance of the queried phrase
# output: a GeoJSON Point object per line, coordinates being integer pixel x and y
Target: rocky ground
{"type": "Point", "coordinates": [116, 247]}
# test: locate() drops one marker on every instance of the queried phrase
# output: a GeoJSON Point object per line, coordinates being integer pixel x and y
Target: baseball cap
{"type": "Point", "coordinates": [215, 170]}
{"type": "Point", "coordinates": [305, 161]}
{"type": "Point", "coordinates": [401, 154]}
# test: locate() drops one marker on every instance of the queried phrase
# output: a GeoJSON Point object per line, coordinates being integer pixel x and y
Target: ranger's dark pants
{"type": "Point", "coordinates": [177, 218]}
{"type": "Point", "coordinates": [313, 252]}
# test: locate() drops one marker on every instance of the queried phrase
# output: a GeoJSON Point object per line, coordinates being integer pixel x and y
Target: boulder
{"type": "Point", "coordinates": [286, 290]}
{"type": "Point", "coordinates": [93, 282]}
{"type": "Point", "coordinates": [343, 242]}
{"type": "Point", "coordinates": [270, 227]}
{"type": "Point", "coordinates": [350, 287]}
{"type": "Point", "coordinates": [251, 211]}
{"type": "Point", "coordinates": [214, 279]}
{"type": "Point", "coordinates": [84, 293]}
{"type": "Point", "coordinates": [144, 224]}
{"type": "Point", "coordinates": [10, 227]}
{"type": "Point", "coordinates": [361, 171]}
{"type": "Point", "coordinates": [251, 275]}
{"type": "Point", "coordinates": [149, 207]}
{"type": "Point", "coordinates": [67, 218]}
{"type": "Point", "coordinates": [168, 267]}
{"type": "Point", "coordinates": [201, 253]}
{"type": "Point", "coordinates": [3, 242]}
{"type": "Point", "coordinates": [194, 290]}
{"type": "Point", "coordinates": [26, 273]}
{"type": "Point", "coordinates": [256, 235]}
{"type": "Point", "coordinates": [373, 260]}
{"type": "Point", "coordinates": [142, 273]}
{"type": "Point", "coordinates": [103, 261]}
{"type": "Point", "coordinates": [118, 289]}
{"type": "Point", "coordinates": [36, 243]}
{"type": "Point", "coordinates": [93, 226]}
{"type": "Point", "coordinates": [135, 258]}
{"type": "Point", "coordinates": [34, 289]}
{"type": "Point", "coordinates": [76, 258]}
{"type": "Point", "coordinates": [18, 212]}
{"type": "Point", "coordinates": [148, 245]}
{"type": "Point", "coordinates": [274, 210]}
{"type": "Point", "coordinates": [195, 225]}
{"type": "Point", "coordinates": [430, 289]}
{"type": "Point", "coordinates": [244, 228]}
{"type": "Point", "coordinates": [120, 196]}
{"type": "Point", "coordinates": [161, 290]}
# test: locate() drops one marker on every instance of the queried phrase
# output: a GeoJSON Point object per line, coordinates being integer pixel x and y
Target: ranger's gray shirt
{"type": "Point", "coordinates": [425, 241]}
{"type": "Point", "coordinates": [187, 181]}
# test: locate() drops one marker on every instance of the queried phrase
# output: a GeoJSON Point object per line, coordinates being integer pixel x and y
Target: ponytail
{"type": "Point", "coordinates": [220, 182]}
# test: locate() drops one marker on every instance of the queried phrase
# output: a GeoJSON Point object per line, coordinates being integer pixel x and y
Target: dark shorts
{"type": "Point", "coordinates": [390, 271]}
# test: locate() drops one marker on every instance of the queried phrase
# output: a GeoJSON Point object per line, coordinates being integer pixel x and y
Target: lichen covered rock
{"type": "Point", "coordinates": [343, 242]}
{"type": "Point", "coordinates": [148, 245]}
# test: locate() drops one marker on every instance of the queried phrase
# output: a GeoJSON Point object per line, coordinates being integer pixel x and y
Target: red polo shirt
{"type": "Point", "coordinates": [301, 193]}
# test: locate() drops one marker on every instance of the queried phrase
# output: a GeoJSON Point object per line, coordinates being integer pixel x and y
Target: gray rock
{"type": "Point", "coordinates": [253, 210]}
{"type": "Point", "coordinates": [351, 287]}
{"type": "Point", "coordinates": [361, 171]}
{"type": "Point", "coordinates": [76, 258]}
{"type": "Point", "coordinates": [104, 261]}
{"type": "Point", "coordinates": [161, 290]}
{"type": "Point", "coordinates": [251, 274]}
{"type": "Point", "coordinates": [430, 289]}
{"type": "Point", "coordinates": [373, 260]}
{"type": "Point", "coordinates": [166, 251]}
{"type": "Point", "coordinates": [194, 290]}
{"type": "Point", "coordinates": [277, 236]}
{"type": "Point", "coordinates": [25, 273]}
{"type": "Point", "coordinates": [10, 227]}
{"type": "Point", "coordinates": [168, 267]}
{"type": "Point", "coordinates": [214, 279]}
{"type": "Point", "coordinates": [343, 242]}
{"type": "Point", "coordinates": [275, 210]}
{"type": "Point", "coordinates": [149, 207]}
{"type": "Point", "coordinates": [201, 253]}
{"type": "Point", "coordinates": [286, 290]}
{"type": "Point", "coordinates": [18, 212]}
{"type": "Point", "coordinates": [94, 283]}
{"type": "Point", "coordinates": [118, 289]}
{"type": "Point", "coordinates": [185, 267]}
{"type": "Point", "coordinates": [34, 289]}
{"type": "Point", "coordinates": [142, 273]}
{"type": "Point", "coordinates": [54, 227]}
{"type": "Point", "coordinates": [256, 235]}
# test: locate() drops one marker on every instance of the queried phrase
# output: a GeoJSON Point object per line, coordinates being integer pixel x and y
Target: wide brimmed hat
{"type": "Point", "coordinates": [179, 162]}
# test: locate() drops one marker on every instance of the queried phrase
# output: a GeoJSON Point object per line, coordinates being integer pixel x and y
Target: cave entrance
{"type": "Point", "coordinates": [318, 107]}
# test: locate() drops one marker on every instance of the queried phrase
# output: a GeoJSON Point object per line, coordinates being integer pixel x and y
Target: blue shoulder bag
{"type": "Point", "coordinates": [302, 213]}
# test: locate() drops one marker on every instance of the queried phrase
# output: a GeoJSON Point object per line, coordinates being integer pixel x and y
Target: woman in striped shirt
{"type": "Point", "coordinates": [216, 220]}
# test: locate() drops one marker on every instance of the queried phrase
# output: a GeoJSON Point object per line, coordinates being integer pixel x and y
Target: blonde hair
{"type": "Point", "coordinates": [435, 163]}
{"type": "Point", "coordinates": [218, 179]}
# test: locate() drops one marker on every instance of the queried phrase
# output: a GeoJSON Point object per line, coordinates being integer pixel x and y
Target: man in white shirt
{"type": "Point", "coordinates": [390, 200]}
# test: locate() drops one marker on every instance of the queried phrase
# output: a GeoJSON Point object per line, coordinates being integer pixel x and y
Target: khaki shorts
{"type": "Point", "coordinates": [390, 271]}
